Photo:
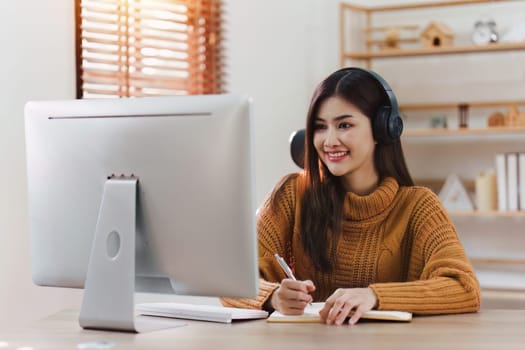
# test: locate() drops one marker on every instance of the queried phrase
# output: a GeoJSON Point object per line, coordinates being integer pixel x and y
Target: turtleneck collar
{"type": "Point", "coordinates": [364, 207]}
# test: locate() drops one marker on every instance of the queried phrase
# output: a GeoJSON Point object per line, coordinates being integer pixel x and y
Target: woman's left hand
{"type": "Point", "coordinates": [345, 301]}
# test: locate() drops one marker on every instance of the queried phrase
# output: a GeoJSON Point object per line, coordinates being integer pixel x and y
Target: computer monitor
{"type": "Point", "coordinates": [151, 194]}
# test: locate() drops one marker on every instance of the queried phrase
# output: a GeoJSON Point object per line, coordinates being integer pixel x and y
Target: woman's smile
{"type": "Point", "coordinates": [337, 156]}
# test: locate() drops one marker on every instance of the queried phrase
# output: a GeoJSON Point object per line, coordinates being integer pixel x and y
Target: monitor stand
{"type": "Point", "coordinates": [109, 288]}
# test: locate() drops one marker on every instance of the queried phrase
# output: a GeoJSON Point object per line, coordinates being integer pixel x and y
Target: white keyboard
{"type": "Point", "coordinates": [212, 313]}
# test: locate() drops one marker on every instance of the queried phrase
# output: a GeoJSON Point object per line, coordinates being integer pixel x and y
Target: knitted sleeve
{"type": "Point", "coordinates": [275, 221]}
{"type": "Point", "coordinates": [440, 277]}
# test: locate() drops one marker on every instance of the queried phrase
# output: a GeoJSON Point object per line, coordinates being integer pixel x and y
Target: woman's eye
{"type": "Point", "coordinates": [319, 127]}
{"type": "Point", "coordinates": [345, 125]}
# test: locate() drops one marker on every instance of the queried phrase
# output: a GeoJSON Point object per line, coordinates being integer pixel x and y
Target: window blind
{"type": "Point", "coordinates": [148, 47]}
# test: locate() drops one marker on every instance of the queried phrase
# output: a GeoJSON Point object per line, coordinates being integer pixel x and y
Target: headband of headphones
{"type": "Point", "coordinates": [388, 124]}
{"type": "Point", "coordinates": [388, 90]}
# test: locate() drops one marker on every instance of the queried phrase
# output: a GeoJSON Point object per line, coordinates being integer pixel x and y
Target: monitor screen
{"type": "Point", "coordinates": [189, 160]}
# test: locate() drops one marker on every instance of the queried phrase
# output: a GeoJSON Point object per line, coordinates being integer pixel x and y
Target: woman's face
{"type": "Point", "coordinates": [344, 141]}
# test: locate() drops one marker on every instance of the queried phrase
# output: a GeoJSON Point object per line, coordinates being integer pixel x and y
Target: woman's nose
{"type": "Point", "coordinates": [332, 138]}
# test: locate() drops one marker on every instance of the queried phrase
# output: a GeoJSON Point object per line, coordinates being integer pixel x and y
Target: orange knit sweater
{"type": "Point", "coordinates": [399, 241]}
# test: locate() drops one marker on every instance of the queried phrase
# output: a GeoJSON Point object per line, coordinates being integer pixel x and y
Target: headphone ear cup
{"type": "Point", "coordinates": [388, 125]}
{"type": "Point", "coordinates": [297, 147]}
{"type": "Point", "coordinates": [381, 125]}
{"type": "Point", "coordinates": [395, 126]}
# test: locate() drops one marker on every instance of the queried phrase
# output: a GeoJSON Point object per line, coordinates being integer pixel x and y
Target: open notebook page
{"type": "Point", "coordinates": [311, 315]}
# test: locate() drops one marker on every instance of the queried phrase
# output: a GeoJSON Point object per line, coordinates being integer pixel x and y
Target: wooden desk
{"type": "Point", "coordinates": [489, 329]}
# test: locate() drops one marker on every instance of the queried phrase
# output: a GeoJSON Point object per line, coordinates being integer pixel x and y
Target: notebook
{"type": "Point", "coordinates": [212, 313]}
{"type": "Point", "coordinates": [311, 315]}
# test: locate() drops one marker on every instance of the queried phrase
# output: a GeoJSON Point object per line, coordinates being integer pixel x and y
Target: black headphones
{"type": "Point", "coordinates": [388, 124]}
{"type": "Point", "coordinates": [387, 127]}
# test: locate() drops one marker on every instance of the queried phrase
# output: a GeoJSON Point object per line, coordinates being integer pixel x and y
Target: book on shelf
{"type": "Point", "coordinates": [311, 315]}
{"type": "Point", "coordinates": [501, 181]}
{"type": "Point", "coordinates": [510, 178]}
{"type": "Point", "coordinates": [521, 180]}
{"type": "Point", "coordinates": [512, 181]}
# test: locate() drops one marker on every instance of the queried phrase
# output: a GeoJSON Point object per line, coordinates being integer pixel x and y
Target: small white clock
{"type": "Point", "coordinates": [484, 32]}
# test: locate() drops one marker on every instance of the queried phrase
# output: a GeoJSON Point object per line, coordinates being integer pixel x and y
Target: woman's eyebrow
{"type": "Point", "coordinates": [338, 118]}
{"type": "Point", "coordinates": [344, 116]}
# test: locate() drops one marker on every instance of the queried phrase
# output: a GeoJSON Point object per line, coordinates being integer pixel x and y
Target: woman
{"type": "Point", "coordinates": [356, 231]}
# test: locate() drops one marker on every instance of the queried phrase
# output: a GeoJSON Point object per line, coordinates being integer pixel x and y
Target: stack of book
{"type": "Point", "coordinates": [510, 177]}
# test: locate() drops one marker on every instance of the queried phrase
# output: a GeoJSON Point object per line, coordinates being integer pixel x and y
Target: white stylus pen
{"type": "Point", "coordinates": [287, 270]}
{"type": "Point", "coordinates": [285, 267]}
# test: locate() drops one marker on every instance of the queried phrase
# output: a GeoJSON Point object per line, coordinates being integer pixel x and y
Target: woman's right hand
{"type": "Point", "coordinates": [292, 296]}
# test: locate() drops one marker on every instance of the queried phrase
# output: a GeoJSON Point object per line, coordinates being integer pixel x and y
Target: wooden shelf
{"type": "Point", "coordinates": [389, 53]}
{"type": "Point", "coordinates": [490, 238]}
{"type": "Point", "coordinates": [467, 131]}
{"type": "Point", "coordinates": [505, 134]}
{"type": "Point", "coordinates": [418, 5]}
{"type": "Point", "coordinates": [369, 11]}
{"type": "Point", "coordinates": [457, 105]}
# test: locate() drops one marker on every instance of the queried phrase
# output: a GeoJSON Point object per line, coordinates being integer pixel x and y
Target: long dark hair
{"type": "Point", "coordinates": [324, 194]}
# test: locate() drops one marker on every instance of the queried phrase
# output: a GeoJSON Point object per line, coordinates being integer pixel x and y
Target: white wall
{"type": "Point", "coordinates": [37, 62]}
{"type": "Point", "coordinates": [277, 52]}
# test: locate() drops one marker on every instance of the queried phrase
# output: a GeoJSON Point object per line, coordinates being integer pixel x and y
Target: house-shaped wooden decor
{"type": "Point", "coordinates": [496, 119]}
{"type": "Point", "coordinates": [389, 37]}
{"type": "Point", "coordinates": [437, 34]}
{"type": "Point", "coordinates": [454, 196]}
{"type": "Point", "coordinates": [513, 118]}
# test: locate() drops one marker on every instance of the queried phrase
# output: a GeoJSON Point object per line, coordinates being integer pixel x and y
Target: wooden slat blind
{"type": "Point", "coordinates": [149, 47]}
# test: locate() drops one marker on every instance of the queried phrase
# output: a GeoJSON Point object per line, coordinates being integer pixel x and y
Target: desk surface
{"type": "Point", "coordinates": [488, 329]}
